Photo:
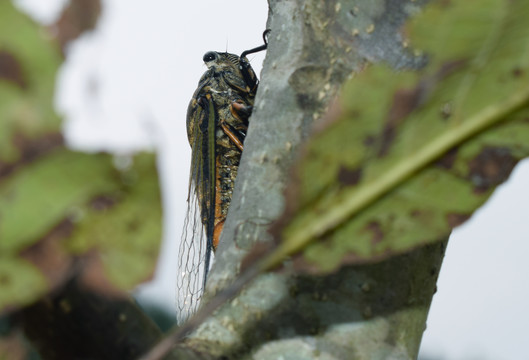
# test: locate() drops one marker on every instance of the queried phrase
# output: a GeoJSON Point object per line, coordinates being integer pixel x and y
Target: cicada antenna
{"type": "Point", "coordinates": [259, 48]}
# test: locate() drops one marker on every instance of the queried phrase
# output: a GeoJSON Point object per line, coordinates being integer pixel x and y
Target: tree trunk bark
{"type": "Point", "coordinates": [373, 311]}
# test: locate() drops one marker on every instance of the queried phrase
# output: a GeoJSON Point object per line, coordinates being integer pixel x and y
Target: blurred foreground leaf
{"type": "Point", "coordinates": [63, 212]}
{"type": "Point", "coordinates": [28, 63]}
{"type": "Point", "coordinates": [77, 17]}
{"type": "Point", "coordinates": [405, 157]}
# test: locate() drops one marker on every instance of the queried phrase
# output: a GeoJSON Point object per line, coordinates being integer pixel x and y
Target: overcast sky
{"type": "Point", "coordinates": [126, 86]}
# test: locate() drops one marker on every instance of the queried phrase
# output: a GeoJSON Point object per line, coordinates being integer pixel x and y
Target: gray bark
{"type": "Point", "coordinates": [373, 311]}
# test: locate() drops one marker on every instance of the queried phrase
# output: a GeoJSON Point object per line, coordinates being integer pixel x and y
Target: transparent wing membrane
{"type": "Point", "coordinates": [190, 277]}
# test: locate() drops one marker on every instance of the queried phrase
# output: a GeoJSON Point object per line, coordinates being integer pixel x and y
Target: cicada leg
{"type": "Point", "coordinates": [240, 110]}
{"type": "Point", "coordinates": [234, 138]}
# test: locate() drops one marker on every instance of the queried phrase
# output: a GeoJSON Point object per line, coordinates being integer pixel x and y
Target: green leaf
{"type": "Point", "coordinates": [28, 65]}
{"type": "Point", "coordinates": [68, 205]}
{"type": "Point", "coordinates": [125, 226]}
{"type": "Point", "coordinates": [60, 209]}
{"type": "Point", "coordinates": [44, 192]}
{"type": "Point", "coordinates": [19, 281]}
{"type": "Point", "coordinates": [413, 154]}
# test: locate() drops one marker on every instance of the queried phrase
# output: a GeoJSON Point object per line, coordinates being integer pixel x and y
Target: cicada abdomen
{"type": "Point", "coordinates": [217, 122]}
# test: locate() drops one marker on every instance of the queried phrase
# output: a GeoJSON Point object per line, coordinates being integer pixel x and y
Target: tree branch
{"type": "Point", "coordinates": [372, 311]}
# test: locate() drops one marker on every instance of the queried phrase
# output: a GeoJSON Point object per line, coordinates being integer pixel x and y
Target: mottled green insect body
{"type": "Point", "coordinates": [217, 122]}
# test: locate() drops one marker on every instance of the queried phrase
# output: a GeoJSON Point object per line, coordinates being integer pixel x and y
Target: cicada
{"type": "Point", "coordinates": [217, 122]}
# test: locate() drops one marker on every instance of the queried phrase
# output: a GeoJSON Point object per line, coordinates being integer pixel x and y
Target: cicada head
{"type": "Point", "coordinates": [221, 61]}
{"type": "Point", "coordinates": [234, 69]}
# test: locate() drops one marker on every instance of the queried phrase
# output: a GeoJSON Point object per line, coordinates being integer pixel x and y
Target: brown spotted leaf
{"type": "Point", "coordinates": [413, 154]}
{"type": "Point", "coordinates": [28, 64]}
{"type": "Point", "coordinates": [79, 16]}
{"type": "Point", "coordinates": [63, 212]}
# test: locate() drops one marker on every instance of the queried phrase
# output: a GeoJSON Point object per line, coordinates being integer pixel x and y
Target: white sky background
{"type": "Point", "coordinates": [126, 86]}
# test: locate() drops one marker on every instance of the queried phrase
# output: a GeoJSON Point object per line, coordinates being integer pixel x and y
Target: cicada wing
{"type": "Point", "coordinates": [195, 251]}
{"type": "Point", "coordinates": [192, 255]}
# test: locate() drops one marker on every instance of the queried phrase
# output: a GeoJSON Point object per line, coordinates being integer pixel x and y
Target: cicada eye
{"type": "Point", "coordinates": [210, 56]}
